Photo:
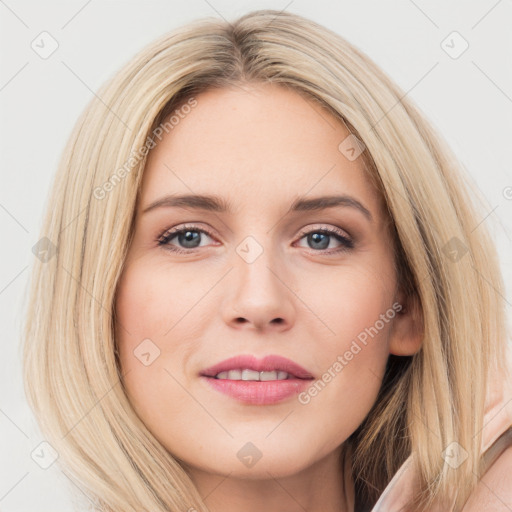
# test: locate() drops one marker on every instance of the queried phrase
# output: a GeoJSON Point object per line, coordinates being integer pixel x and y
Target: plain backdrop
{"type": "Point", "coordinates": [467, 97]}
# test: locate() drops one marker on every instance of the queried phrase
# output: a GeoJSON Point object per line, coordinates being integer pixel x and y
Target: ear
{"type": "Point", "coordinates": [406, 334]}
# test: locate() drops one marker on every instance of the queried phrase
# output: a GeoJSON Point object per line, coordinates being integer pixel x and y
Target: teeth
{"type": "Point", "coordinates": [234, 374]}
{"type": "Point", "coordinates": [252, 375]}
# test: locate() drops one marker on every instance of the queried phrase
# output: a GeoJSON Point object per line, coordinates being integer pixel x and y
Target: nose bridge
{"type": "Point", "coordinates": [258, 294]}
{"type": "Point", "coordinates": [256, 263]}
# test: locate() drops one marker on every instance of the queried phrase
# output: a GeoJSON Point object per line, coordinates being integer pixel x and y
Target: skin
{"type": "Point", "coordinates": [493, 492]}
{"type": "Point", "coordinates": [259, 146]}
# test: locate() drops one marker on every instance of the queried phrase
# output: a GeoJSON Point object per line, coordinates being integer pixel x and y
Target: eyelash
{"type": "Point", "coordinates": [164, 239]}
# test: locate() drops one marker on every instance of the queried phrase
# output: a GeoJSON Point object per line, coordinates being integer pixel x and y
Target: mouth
{"type": "Point", "coordinates": [247, 367]}
{"type": "Point", "coordinates": [253, 375]}
{"type": "Point", "coordinates": [258, 382]}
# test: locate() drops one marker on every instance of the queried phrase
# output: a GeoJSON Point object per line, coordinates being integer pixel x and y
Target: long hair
{"type": "Point", "coordinates": [72, 375]}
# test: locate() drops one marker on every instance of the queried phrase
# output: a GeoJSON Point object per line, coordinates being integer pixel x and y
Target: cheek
{"type": "Point", "coordinates": [352, 365]}
{"type": "Point", "coordinates": [156, 324]}
{"type": "Point", "coordinates": [356, 309]}
{"type": "Point", "coordinates": [144, 312]}
{"type": "Point", "coordinates": [147, 304]}
{"type": "Point", "coordinates": [350, 299]}
{"type": "Point", "coordinates": [146, 308]}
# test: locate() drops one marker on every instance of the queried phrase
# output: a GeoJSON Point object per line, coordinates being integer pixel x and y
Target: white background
{"type": "Point", "coordinates": [468, 99]}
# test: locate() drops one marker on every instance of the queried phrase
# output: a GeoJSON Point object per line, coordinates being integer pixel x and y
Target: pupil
{"type": "Point", "coordinates": [315, 238]}
{"type": "Point", "coordinates": [188, 236]}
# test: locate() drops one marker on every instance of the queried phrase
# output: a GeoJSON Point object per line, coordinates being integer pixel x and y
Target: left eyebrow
{"type": "Point", "coordinates": [217, 204]}
{"type": "Point", "coordinates": [325, 202]}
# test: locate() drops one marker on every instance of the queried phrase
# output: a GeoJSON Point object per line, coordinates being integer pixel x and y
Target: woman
{"type": "Point", "coordinates": [199, 343]}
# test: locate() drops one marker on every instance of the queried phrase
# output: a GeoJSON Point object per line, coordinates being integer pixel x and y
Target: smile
{"type": "Point", "coordinates": [257, 381]}
{"type": "Point", "coordinates": [252, 375]}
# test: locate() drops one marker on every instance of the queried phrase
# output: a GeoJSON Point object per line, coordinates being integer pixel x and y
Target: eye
{"type": "Point", "coordinates": [188, 236]}
{"type": "Point", "coordinates": [320, 239]}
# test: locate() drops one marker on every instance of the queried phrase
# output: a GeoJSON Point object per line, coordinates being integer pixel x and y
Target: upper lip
{"type": "Point", "coordinates": [267, 364]}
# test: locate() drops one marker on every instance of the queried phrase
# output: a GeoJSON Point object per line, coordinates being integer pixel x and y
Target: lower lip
{"type": "Point", "coordinates": [258, 392]}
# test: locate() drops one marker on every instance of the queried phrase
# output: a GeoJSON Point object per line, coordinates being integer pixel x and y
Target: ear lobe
{"type": "Point", "coordinates": [407, 331]}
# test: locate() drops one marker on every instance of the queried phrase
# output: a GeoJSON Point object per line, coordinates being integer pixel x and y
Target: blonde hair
{"type": "Point", "coordinates": [72, 375]}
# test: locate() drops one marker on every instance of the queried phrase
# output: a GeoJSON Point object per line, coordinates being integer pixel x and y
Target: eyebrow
{"type": "Point", "coordinates": [217, 204]}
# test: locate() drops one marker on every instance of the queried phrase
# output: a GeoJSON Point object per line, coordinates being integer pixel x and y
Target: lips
{"type": "Point", "coordinates": [268, 364]}
{"type": "Point", "coordinates": [252, 381]}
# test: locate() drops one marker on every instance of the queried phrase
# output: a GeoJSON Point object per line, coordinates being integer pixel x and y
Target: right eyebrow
{"type": "Point", "coordinates": [199, 202]}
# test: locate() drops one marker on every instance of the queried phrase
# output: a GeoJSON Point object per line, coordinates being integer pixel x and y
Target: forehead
{"type": "Point", "coordinates": [252, 144]}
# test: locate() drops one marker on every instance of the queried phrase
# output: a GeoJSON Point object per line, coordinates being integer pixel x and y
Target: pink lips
{"type": "Point", "coordinates": [259, 392]}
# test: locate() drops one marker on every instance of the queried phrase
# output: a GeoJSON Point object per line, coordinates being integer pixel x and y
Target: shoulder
{"type": "Point", "coordinates": [493, 492]}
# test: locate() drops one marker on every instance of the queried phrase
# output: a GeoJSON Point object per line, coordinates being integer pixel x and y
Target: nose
{"type": "Point", "coordinates": [260, 296]}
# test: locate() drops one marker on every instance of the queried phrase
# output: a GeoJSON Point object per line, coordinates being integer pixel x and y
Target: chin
{"type": "Point", "coordinates": [250, 463]}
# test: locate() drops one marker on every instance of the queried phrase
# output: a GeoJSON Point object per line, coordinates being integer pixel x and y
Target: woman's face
{"type": "Point", "coordinates": [259, 278]}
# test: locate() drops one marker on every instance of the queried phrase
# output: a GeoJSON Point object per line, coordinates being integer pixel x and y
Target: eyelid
{"type": "Point", "coordinates": [322, 227]}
